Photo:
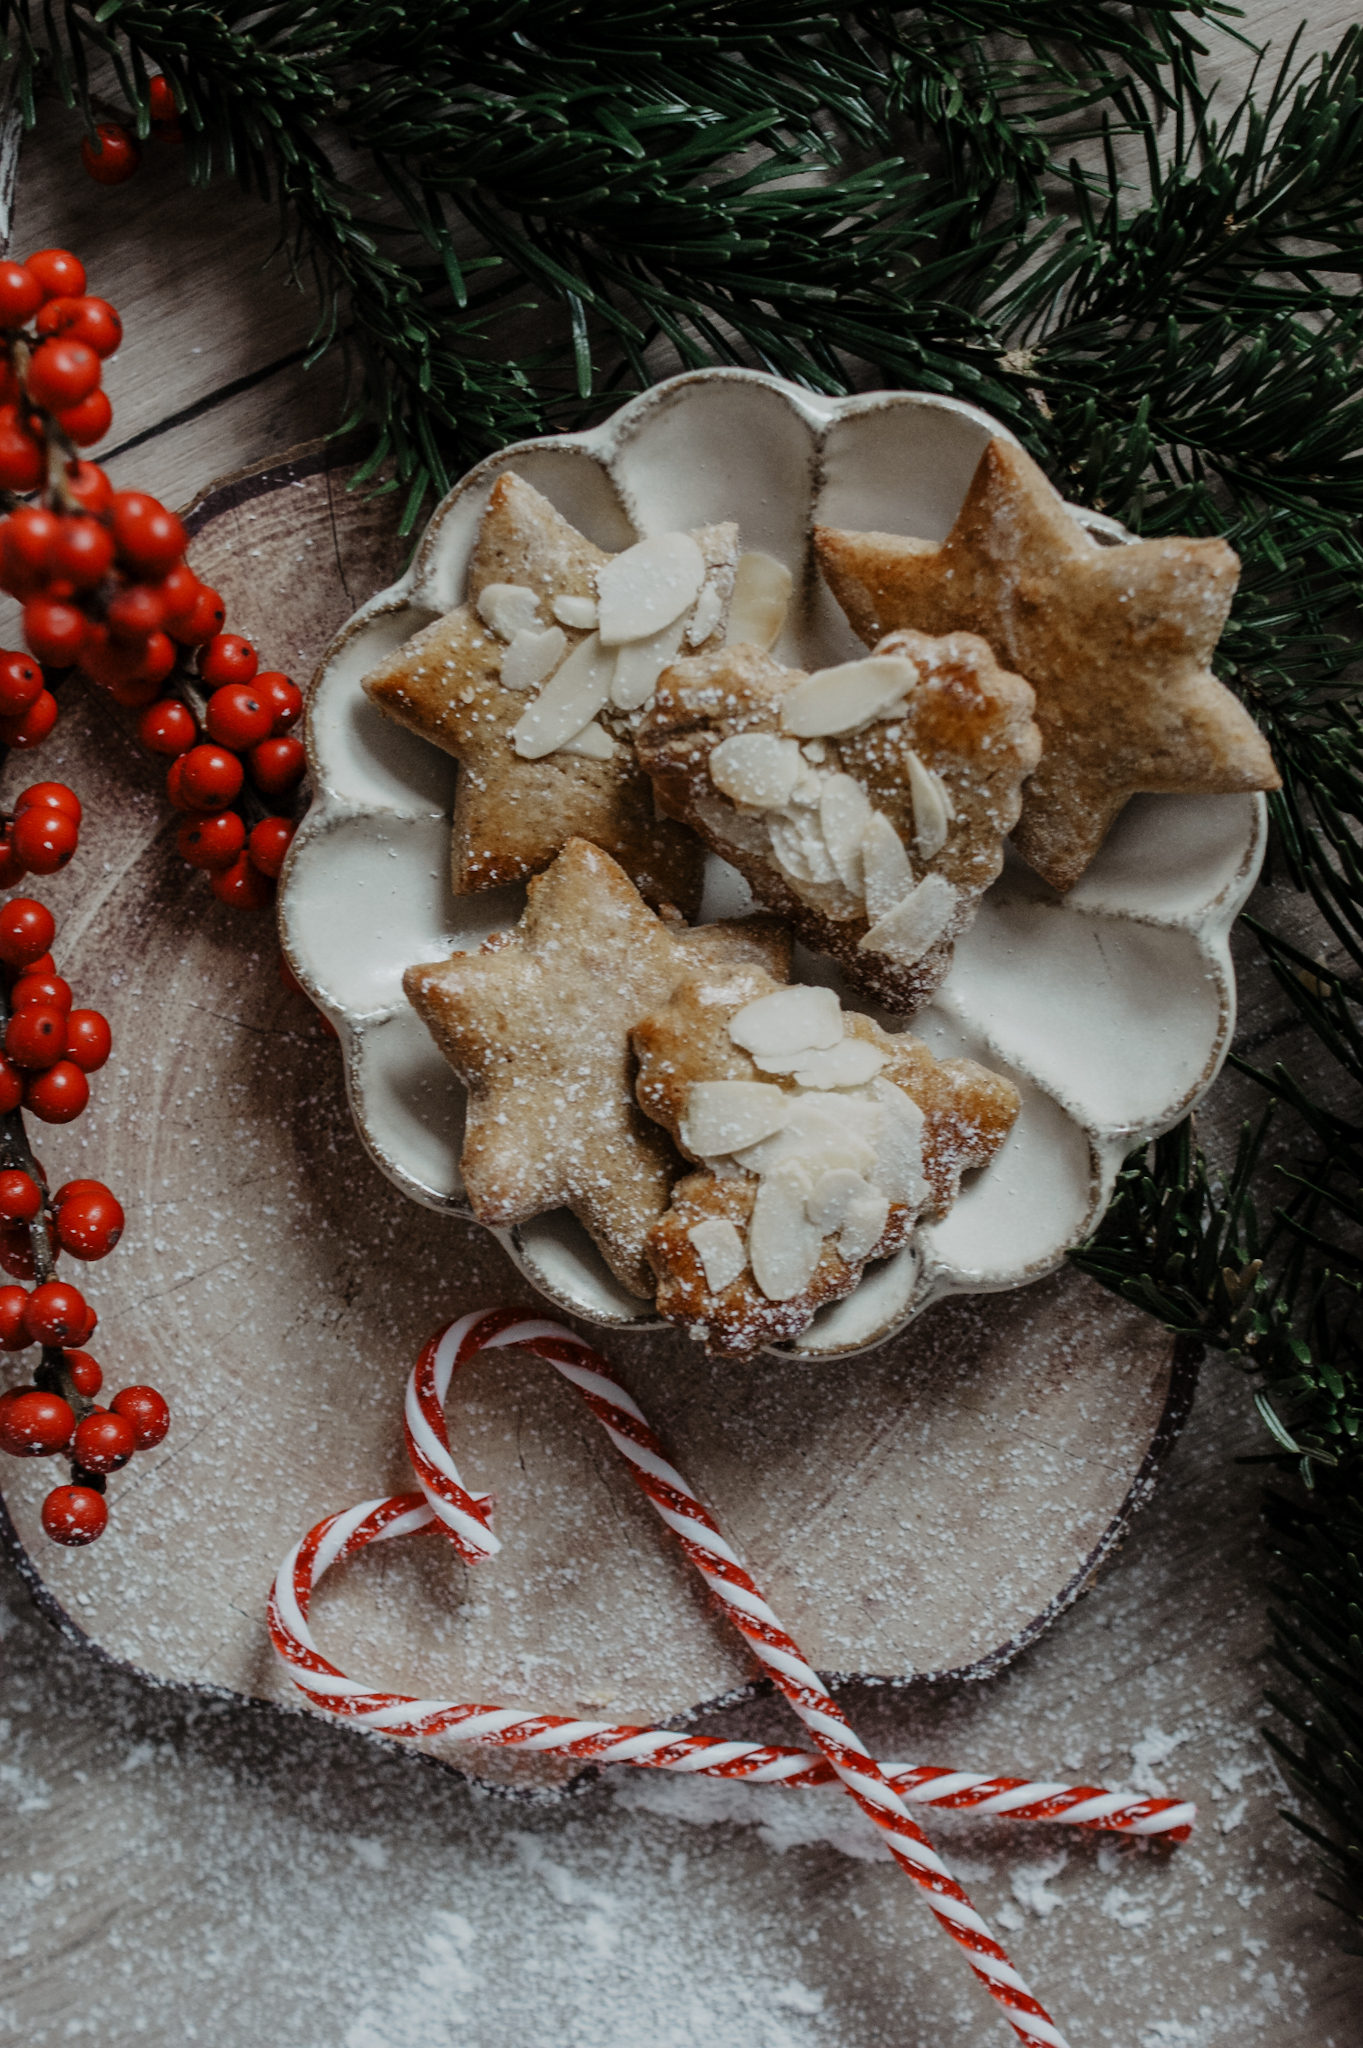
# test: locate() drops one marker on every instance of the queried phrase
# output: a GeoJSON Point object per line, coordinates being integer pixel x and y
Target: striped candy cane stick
{"type": "Point", "coordinates": [463, 1518]}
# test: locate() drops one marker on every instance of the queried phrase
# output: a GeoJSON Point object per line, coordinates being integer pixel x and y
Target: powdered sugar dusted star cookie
{"type": "Point", "coordinates": [536, 1025]}
{"type": "Point", "coordinates": [535, 686]}
{"type": "Point", "coordinates": [867, 803]}
{"type": "Point", "coordinates": [823, 1138]}
{"type": "Point", "coordinates": [1115, 641]}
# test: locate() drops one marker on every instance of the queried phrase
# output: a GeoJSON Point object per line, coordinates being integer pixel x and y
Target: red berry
{"type": "Point", "coordinates": [55, 1313]}
{"type": "Point", "coordinates": [83, 553]}
{"type": "Point", "coordinates": [202, 622]}
{"type": "Point", "coordinates": [55, 794]}
{"type": "Point", "coordinates": [58, 1097]}
{"type": "Point", "coordinates": [137, 692]}
{"type": "Point", "coordinates": [161, 98]}
{"type": "Point", "coordinates": [35, 725]}
{"type": "Point", "coordinates": [87, 1376]}
{"type": "Point", "coordinates": [75, 1515]}
{"type": "Point", "coordinates": [20, 295]}
{"type": "Point", "coordinates": [284, 698]}
{"type": "Point", "coordinates": [23, 460]}
{"type": "Point", "coordinates": [35, 1424]}
{"type": "Point", "coordinates": [210, 777]}
{"type": "Point", "coordinates": [103, 1442]}
{"type": "Point", "coordinates": [11, 1086]}
{"type": "Point", "coordinates": [33, 987]}
{"type": "Point", "coordinates": [21, 684]}
{"type": "Point", "coordinates": [159, 657]}
{"type": "Point", "coordinates": [277, 766]}
{"type": "Point", "coordinates": [16, 1251]}
{"type": "Point", "coordinates": [61, 373]}
{"type": "Point", "coordinates": [20, 1196]}
{"type": "Point", "coordinates": [212, 842]}
{"type": "Point", "coordinates": [55, 631]}
{"type": "Point", "coordinates": [87, 484]}
{"type": "Point", "coordinates": [35, 1037]}
{"type": "Point", "coordinates": [89, 1225]}
{"type": "Point", "coordinates": [27, 929]}
{"type": "Point", "coordinates": [13, 1335]}
{"type": "Point", "coordinates": [108, 661]}
{"type": "Point", "coordinates": [168, 727]}
{"type": "Point", "coordinates": [237, 716]}
{"type": "Point", "coordinates": [148, 1413]}
{"type": "Point", "coordinates": [268, 844]}
{"type": "Point", "coordinates": [135, 613]}
{"type": "Point", "coordinates": [148, 537]}
{"type": "Point", "coordinates": [173, 789]}
{"type": "Point", "coordinates": [44, 839]}
{"type": "Point", "coordinates": [111, 155]}
{"type": "Point", "coordinates": [88, 422]}
{"type": "Point", "coordinates": [31, 537]}
{"type": "Point", "coordinates": [93, 321]}
{"type": "Point", "coordinates": [60, 274]}
{"type": "Point", "coordinates": [12, 869]}
{"type": "Point", "coordinates": [243, 886]}
{"type": "Point", "coordinates": [180, 589]}
{"type": "Point", "coordinates": [228, 659]}
{"type": "Point", "coordinates": [89, 1040]}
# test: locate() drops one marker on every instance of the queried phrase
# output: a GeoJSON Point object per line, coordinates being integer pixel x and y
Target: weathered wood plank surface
{"type": "Point", "coordinates": [170, 1874]}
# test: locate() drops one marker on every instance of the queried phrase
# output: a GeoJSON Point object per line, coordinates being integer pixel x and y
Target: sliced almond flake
{"type": "Point", "coordinates": [931, 808]}
{"type": "Point", "coordinates": [823, 1130]}
{"type": "Point", "coordinates": [720, 1250]}
{"type": "Point", "coordinates": [788, 849]}
{"type": "Point", "coordinates": [593, 743]}
{"type": "Point", "coordinates": [569, 700]}
{"type": "Point", "coordinates": [649, 585]}
{"type": "Point", "coordinates": [849, 1065]}
{"type": "Point", "coordinates": [835, 1190]}
{"type": "Point", "coordinates": [791, 1020]}
{"type": "Point", "coordinates": [815, 751]}
{"type": "Point", "coordinates": [808, 787]}
{"type": "Point", "coordinates": [783, 1245]}
{"type": "Point", "coordinates": [508, 609]}
{"type": "Point", "coordinates": [761, 595]}
{"type": "Point", "coordinates": [917, 921]}
{"type": "Point", "coordinates": [885, 867]}
{"type": "Point", "coordinates": [705, 616]}
{"type": "Point", "coordinates": [532, 656]}
{"type": "Point", "coordinates": [639, 664]}
{"type": "Point", "coordinates": [756, 769]}
{"type": "Point", "coordinates": [865, 1226]}
{"type": "Point", "coordinates": [813, 846]}
{"type": "Point", "coordinates": [729, 1116]}
{"type": "Point", "coordinates": [844, 814]}
{"type": "Point", "coordinates": [840, 699]}
{"type": "Point", "coordinates": [899, 1150]}
{"type": "Point", "coordinates": [577, 612]}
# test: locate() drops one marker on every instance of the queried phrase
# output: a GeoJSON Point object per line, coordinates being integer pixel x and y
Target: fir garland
{"type": "Point", "coordinates": [862, 195]}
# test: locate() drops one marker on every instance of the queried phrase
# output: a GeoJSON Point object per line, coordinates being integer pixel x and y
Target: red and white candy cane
{"type": "Point", "coordinates": [881, 1792]}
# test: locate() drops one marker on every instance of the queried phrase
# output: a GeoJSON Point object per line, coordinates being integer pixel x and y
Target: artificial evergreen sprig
{"type": "Point", "coordinates": [517, 211]}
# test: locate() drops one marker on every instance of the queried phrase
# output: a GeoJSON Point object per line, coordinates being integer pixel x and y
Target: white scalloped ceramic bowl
{"type": "Point", "coordinates": [1111, 1008]}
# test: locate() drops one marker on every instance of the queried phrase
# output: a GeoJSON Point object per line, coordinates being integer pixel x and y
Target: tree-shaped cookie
{"type": "Point", "coordinates": [536, 1025]}
{"type": "Point", "coordinates": [823, 1140]}
{"type": "Point", "coordinates": [536, 684]}
{"type": "Point", "coordinates": [867, 803]}
{"type": "Point", "coordinates": [1116, 642]}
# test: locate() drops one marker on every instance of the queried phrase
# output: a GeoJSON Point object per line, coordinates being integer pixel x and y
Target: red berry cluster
{"type": "Point", "coordinates": [43, 830]}
{"type": "Point", "coordinates": [111, 155]}
{"type": "Point", "coordinates": [105, 587]}
{"type": "Point", "coordinates": [49, 1047]}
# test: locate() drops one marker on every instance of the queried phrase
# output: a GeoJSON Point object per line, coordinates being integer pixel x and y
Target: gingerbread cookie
{"type": "Point", "coordinates": [536, 1025]}
{"type": "Point", "coordinates": [824, 1139]}
{"type": "Point", "coordinates": [536, 683]}
{"type": "Point", "coordinates": [1115, 641]}
{"type": "Point", "coordinates": [867, 803]}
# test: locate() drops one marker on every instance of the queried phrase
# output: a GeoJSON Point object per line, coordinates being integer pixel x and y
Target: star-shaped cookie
{"type": "Point", "coordinates": [531, 616]}
{"type": "Point", "coordinates": [1115, 641]}
{"type": "Point", "coordinates": [537, 1027]}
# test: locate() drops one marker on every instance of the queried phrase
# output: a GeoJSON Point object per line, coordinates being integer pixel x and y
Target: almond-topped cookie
{"type": "Point", "coordinates": [536, 1024]}
{"type": "Point", "coordinates": [536, 683]}
{"type": "Point", "coordinates": [823, 1141]}
{"type": "Point", "coordinates": [867, 803]}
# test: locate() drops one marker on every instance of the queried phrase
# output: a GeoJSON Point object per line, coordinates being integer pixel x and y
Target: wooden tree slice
{"type": "Point", "coordinates": [923, 1510]}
